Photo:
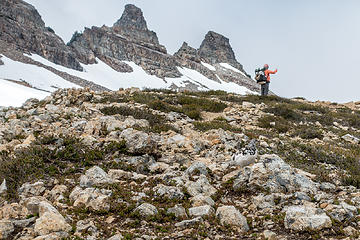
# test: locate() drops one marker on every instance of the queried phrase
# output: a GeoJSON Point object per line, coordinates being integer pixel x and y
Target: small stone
{"type": "Point", "coordinates": [116, 237]}
{"type": "Point", "coordinates": [189, 223]}
{"type": "Point", "coordinates": [3, 187]}
{"type": "Point", "coordinates": [269, 235]}
{"type": "Point", "coordinates": [323, 205]}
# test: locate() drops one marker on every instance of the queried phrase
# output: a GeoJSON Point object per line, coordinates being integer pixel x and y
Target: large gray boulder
{"type": "Point", "coordinates": [146, 210]}
{"type": "Point", "coordinates": [169, 192]}
{"type": "Point", "coordinates": [200, 211]}
{"type": "Point", "coordinates": [201, 186]}
{"type": "Point", "coordinates": [229, 215]}
{"type": "Point", "coordinates": [93, 198]}
{"type": "Point", "coordinates": [138, 141]}
{"type": "Point", "coordinates": [94, 176]}
{"type": "Point", "coordinates": [273, 173]}
{"type": "Point", "coordinates": [302, 217]}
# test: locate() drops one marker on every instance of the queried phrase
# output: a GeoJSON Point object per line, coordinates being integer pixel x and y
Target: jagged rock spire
{"type": "Point", "coordinates": [132, 18]}
{"type": "Point", "coordinates": [217, 49]}
{"type": "Point", "coordinates": [132, 24]}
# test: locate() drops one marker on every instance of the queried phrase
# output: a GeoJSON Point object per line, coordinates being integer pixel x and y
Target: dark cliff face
{"type": "Point", "coordinates": [21, 27]}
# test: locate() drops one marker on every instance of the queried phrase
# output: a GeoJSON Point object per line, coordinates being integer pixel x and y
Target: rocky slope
{"type": "Point", "coordinates": [127, 47]}
{"type": "Point", "coordinates": [164, 165]}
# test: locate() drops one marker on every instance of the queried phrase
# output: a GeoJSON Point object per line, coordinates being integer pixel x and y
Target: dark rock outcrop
{"type": "Point", "coordinates": [217, 49]}
{"type": "Point", "coordinates": [21, 26]}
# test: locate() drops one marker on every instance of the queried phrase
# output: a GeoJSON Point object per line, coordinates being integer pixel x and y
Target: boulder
{"type": "Point", "coordinates": [50, 220]}
{"type": "Point", "coordinates": [350, 138]}
{"type": "Point", "coordinates": [189, 223]}
{"type": "Point", "coordinates": [146, 210]}
{"type": "Point", "coordinates": [201, 186]}
{"type": "Point", "coordinates": [6, 229]}
{"type": "Point", "coordinates": [169, 192]}
{"type": "Point", "coordinates": [31, 190]}
{"type": "Point", "coordinates": [200, 200]}
{"type": "Point", "coordinates": [197, 168]}
{"type": "Point", "coordinates": [303, 217]}
{"type": "Point", "coordinates": [94, 198]}
{"type": "Point", "coordinates": [272, 173]}
{"type": "Point", "coordinates": [94, 176]}
{"type": "Point", "coordinates": [205, 210]}
{"type": "Point", "coordinates": [138, 141]}
{"type": "Point", "coordinates": [179, 211]}
{"type": "Point", "coordinates": [229, 215]}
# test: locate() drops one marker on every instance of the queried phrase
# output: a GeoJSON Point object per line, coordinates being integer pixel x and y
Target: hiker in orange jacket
{"type": "Point", "coordinates": [265, 86]}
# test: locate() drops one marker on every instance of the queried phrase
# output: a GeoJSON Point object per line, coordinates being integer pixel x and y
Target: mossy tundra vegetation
{"type": "Point", "coordinates": [148, 140]}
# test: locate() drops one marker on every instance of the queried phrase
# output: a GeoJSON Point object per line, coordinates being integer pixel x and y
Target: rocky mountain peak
{"type": "Point", "coordinates": [133, 18]}
{"type": "Point", "coordinates": [132, 24]}
{"type": "Point", "coordinates": [21, 12]}
{"type": "Point", "coordinates": [216, 48]}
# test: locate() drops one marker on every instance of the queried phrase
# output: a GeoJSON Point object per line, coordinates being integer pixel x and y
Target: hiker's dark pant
{"type": "Point", "coordinates": [265, 89]}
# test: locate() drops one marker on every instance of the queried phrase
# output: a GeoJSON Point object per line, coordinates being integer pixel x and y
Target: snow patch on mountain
{"type": "Point", "coordinates": [228, 66]}
{"type": "Point", "coordinates": [106, 76]}
{"type": "Point", "coordinates": [13, 94]}
{"type": "Point", "coordinates": [210, 67]}
{"type": "Point", "coordinates": [35, 76]}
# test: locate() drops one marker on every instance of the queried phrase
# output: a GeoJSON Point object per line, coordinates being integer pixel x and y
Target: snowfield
{"type": "Point", "coordinates": [101, 74]}
{"type": "Point", "coordinates": [13, 94]}
{"type": "Point", "coordinates": [210, 67]}
{"type": "Point", "coordinates": [37, 77]}
{"type": "Point", "coordinates": [228, 66]}
{"type": "Point", "coordinates": [106, 76]}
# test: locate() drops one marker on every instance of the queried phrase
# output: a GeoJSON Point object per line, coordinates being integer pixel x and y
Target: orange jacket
{"type": "Point", "coordinates": [267, 74]}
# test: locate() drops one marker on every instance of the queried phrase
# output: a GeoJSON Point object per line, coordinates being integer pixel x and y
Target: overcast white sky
{"type": "Point", "coordinates": [315, 44]}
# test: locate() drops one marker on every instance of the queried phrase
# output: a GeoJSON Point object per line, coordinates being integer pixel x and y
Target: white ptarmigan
{"type": "Point", "coordinates": [245, 156]}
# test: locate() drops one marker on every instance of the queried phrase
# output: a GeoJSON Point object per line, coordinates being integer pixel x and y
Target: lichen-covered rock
{"type": "Point", "coordinates": [169, 192]}
{"type": "Point", "coordinates": [178, 210]}
{"type": "Point", "coordinates": [302, 217]}
{"type": "Point", "coordinates": [200, 200]}
{"type": "Point", "coordinates": [273, 173]}
{"type": "Point", "coordinates": [201, 186]}
{"type": "Point", "coordinates": [30, 190]}
{"type": "Point", "coordinates": [6, 228]}
{"type": "Point", "coordinates": [146, 210]}
{"type": "Point", "coordinates": [229, 215]}
{"type": "Point", "coordinates": [93, 198]}
{"type": "Point", "coordinates": [94, 176]}
{"type": "Point", "coordinates": [197, 168]}
{"type": "Point", "coordinates": [50, 220]}
{"type": "Point", "coordinates": [200, 211]}
{"type": "Point", "coordinates": [138, 141]}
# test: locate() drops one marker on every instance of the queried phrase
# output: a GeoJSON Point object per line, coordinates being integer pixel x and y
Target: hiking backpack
{"type": "Point", "coordinates": [260, 76]}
